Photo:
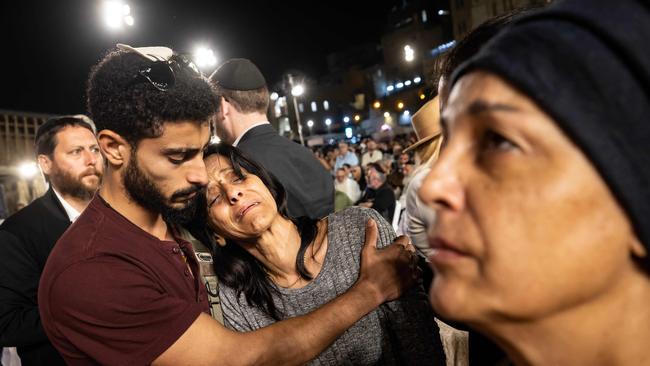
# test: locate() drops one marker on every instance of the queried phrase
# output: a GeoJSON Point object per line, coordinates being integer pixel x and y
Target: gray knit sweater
{"type": "Point", "coordinates": [401, 332]}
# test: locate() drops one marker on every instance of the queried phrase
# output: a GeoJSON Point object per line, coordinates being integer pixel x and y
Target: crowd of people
{"type": "Point", "coordinates": [524, 188]}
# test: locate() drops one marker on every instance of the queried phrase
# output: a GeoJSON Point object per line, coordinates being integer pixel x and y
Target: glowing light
{"type": "Point", "coordinates": [204, 57]}
{"type": "Point", "coordinates": [348, 132]}
{"type": "Point", "coordinates": [409, 53]}
{"type": "Point", "coordinates": [390, 88]}
{"type": "Point", "coordinates": [346, 119]}
{"type": "Point", "coordinates": [422, 96]}
{"type": "Point", "coordinates": [310, 123]}
{"type": "Point", "coordinates": [297, 90]}
{"type": "Point", "coordinates": [385, 127]}
{"type": "Point", "coordinates": [116, 14]}
{"type": "Point", "coordinates": [399, 85]}
{"type": "Point", "coordinates": [376, 105]}
{"type": "Point", "coordinates": [357, 117]}
{"type": "Point", "coordinates": [27, 170]}
{"type": "Point", "coordinates": [417, 79]}
{"type": "Point", "coordinates": [274, 96]}
{"type": "Point", "coordinates": [406, 113]}
{"type": "Point", "coordinates": [328, 122]}
{"type": "Point", "coordinates": [407, 83]}
{"type": "Point", "coordinates": [400, 105]}
{"type": "Point", "coordinates": [386, 114]}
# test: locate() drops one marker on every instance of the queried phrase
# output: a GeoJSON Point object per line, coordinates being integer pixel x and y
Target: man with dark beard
{"type": "Point", "coordinates": [69, 157]}
{"type": "Point", "coordinates": [121, 288]}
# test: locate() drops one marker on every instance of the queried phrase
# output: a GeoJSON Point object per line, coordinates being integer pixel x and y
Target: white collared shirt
{"type": "Point", "coordinates": [72, 213]}
{"type": "Point", "coordinates": [248, 129]}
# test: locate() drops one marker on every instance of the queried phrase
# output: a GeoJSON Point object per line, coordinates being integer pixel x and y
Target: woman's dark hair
{"type": "Point", "coordinates": [234, 266]}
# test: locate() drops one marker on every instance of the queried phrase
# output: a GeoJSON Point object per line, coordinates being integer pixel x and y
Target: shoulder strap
{"type": "Point", "coordinates": [204, 258]}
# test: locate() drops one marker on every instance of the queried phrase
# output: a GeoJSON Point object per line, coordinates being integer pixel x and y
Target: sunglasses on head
{"type": "Point", "coordinates": [162, 74]}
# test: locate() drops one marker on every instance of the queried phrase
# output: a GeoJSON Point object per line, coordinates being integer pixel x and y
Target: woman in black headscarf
{"type": "Point", "coordinates": [543, 190]}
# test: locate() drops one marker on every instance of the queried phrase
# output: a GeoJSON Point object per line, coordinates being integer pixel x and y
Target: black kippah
{"type": "Point", "coordinates": [587, 64]}
{"type": "Point", "coordinates": [238, 74]}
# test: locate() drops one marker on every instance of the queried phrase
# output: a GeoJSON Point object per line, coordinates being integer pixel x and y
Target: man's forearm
{"type": "Point", "coordinates": [297, 340]}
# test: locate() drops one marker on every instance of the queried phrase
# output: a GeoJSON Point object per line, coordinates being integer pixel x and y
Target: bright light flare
{"type": "Point", "coordinates": [204, 57]}
{"type": "Point", "coordinates": [27, 170]}
{"type": "Point", "coordinates": [116, 14]}
{"type": "Point", "coordinates": [310, 123]}
{"type": "Point", "coordinates": [297, 90]}
{"type": "Point", "coordinates": [409, 53]}
{"type": "Point", "coordinates": [328, 122]}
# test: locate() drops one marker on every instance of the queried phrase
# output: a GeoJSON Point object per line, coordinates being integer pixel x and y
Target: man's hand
{"type": "Point", "coordinates": [388, 272]}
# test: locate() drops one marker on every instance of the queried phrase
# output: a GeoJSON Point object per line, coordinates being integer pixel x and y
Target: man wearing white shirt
{"type": "Point", "coordinates": [69, 157]}
{"type": "Point", "coordinates": [372, 155]}
{"type": "Point", "coordinates": [347, 185]}
{"type": "Point", "coordinates": [345, 156]}
{"type": "Point", "coordinates": [241, 121]}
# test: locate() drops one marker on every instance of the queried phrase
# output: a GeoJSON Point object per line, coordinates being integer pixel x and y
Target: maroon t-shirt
{"type": "Point", "coordinates": [113, 294]}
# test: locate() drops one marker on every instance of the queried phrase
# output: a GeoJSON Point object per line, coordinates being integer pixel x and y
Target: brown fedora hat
{"type": "Point", "coordinates": [426, 123]}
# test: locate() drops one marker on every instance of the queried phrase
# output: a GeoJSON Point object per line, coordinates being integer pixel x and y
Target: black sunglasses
{"type": "Point", "coordinates": [162, 74]}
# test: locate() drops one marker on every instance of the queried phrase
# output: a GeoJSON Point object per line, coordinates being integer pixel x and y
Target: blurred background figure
{"type": "Point", "coordinates": [69, 158]}
{"type": "Point", "coordinates": [372, 154]}
{"type": "Point", "coordinates": [378, 194]}
{"type": "Point", "coordinates": [349, 187]}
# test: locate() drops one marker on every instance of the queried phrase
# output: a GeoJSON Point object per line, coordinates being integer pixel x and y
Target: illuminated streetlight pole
{"type": "Point", "coordinates": [296, 91]}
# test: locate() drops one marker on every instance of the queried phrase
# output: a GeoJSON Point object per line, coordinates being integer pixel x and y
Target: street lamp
{"type": "Point", "coordinates": [204, 57]}
{"type": "Point", "coordinates": [409, 53]}
{"type": "Point", "coordinates": [116, 14]}
{"type": "Point", "coordinates": [296, 91]}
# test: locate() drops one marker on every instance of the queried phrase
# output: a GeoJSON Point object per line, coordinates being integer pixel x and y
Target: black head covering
{"type": "Point", "coordinates": [238, 74]}
{"type": "Point", "coordinates": [587, 64]}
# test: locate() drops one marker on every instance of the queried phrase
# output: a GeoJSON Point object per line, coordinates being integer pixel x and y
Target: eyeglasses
{"type": "Point", "coordinates": [162, 74]}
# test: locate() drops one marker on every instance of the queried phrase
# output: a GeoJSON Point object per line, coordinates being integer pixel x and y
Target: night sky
{"type": "Point", "coordinates": [48, 46]}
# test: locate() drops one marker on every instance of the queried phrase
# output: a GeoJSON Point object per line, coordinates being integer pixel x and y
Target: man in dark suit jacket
{"type": "Point", "coordinates": [69, 157]}
{"type": "Point", "coordinates": [241, 122]}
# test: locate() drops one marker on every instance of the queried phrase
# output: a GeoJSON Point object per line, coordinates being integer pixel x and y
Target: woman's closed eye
{"type": "Point", "coordinates": [214, 200]}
